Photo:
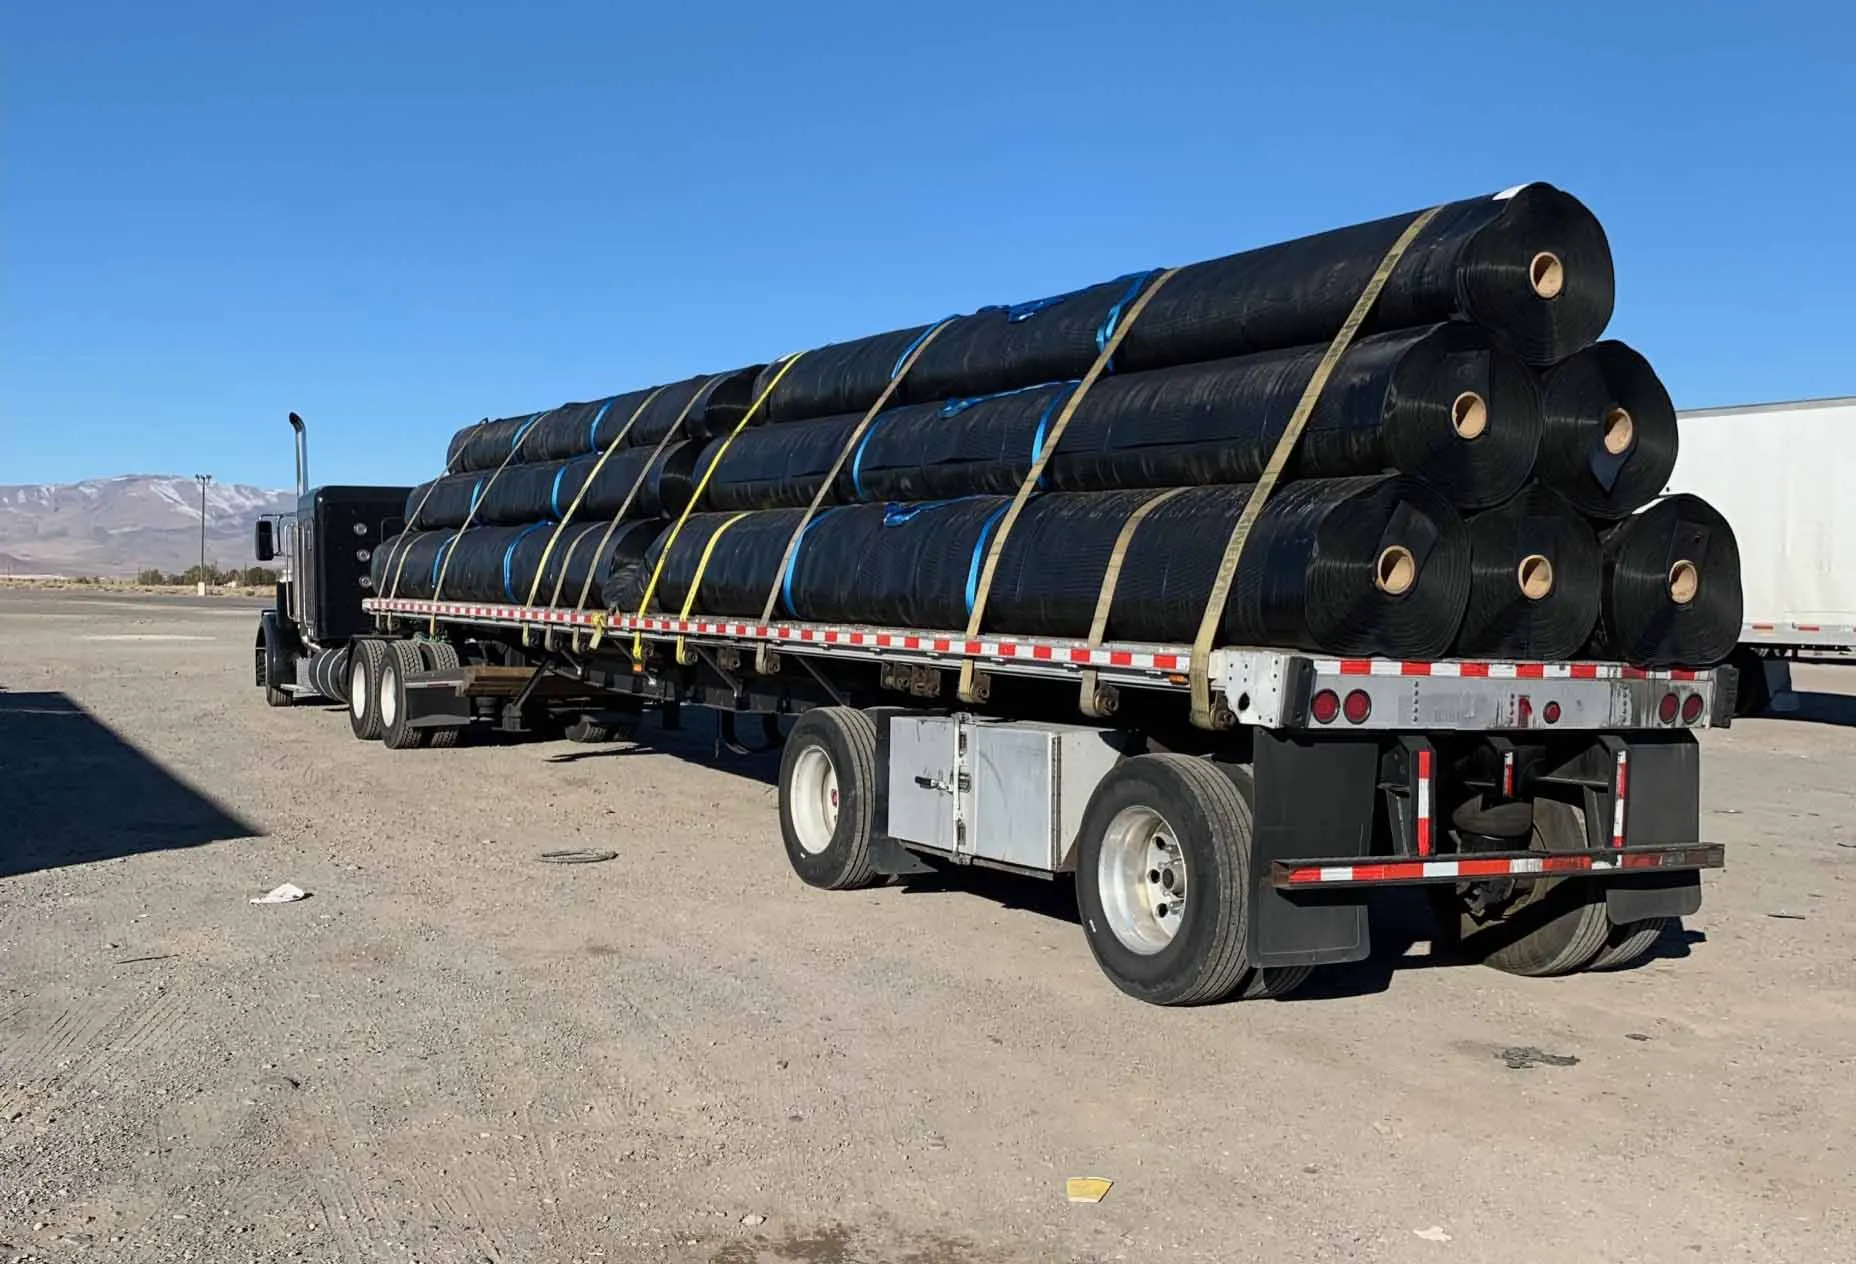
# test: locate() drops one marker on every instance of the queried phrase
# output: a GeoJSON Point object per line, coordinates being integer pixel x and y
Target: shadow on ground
{"type": "Point", "coordinates": [1820, 708]}
{"type": "Point", "coordinates": [72, 791]}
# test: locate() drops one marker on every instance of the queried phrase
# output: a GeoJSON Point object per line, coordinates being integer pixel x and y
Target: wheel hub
{"type": "Point", "coordinates": [814, 799]}
{"type": "Point", "coordinates": [1143, 880]}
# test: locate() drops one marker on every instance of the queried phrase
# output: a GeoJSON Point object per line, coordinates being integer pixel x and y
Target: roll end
{"type": "Point", "coordinates": [1396, 570]}
{"type": "Point", "coordinates": [1684, 582]}
{"type": "Point", "coordinates": [1546, 274]}
{"type": "Point", "coordinates": [1619, 430]}
{"type": "Point", "coordinates": [1469, 415]}
{"type": "Point", "coordinates": [1534, 576]}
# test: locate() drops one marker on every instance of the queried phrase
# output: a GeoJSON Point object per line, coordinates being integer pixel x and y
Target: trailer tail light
{"type": "Point", "coordinates": [1523, 711]}
{"type": "Point", "coordinates": [1357, 707]}
{"type": "Point", "coordinates": [1551, 713]}
{"type": "Point", "coordinates": [1667, 709]}
{"type": "Point", "coordinates": [1324, 706]}
{"type": "Point", "coordinates": [1691, 708]}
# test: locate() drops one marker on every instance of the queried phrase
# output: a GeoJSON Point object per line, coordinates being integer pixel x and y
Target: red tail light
{"type": "Point", "coordinates": [1324, 706]}
{"type": "Point", "coordinates": [1357, 707]}
{"type": "Point", "coordinates": [1666, 709]}
{"type": "Point", "coordinates": [1691, 708]}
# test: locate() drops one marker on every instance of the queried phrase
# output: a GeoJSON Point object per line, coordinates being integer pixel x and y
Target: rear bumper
{"type": "Point", "coordinates": [1304, 875]}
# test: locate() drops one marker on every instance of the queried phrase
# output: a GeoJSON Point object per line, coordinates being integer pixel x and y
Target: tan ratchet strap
{"type": "Point", "coordinates": [702, 485]}
{"type": "Point", "coordinates": [968, 693]}
{"type": "Point", "coordinates": [412, 523]}
{"type": "Point", "coordinates": [438, 587]}
{"type": "Point", "coordinates": [763, 657]}
{"type": "Point", "coordinates": [586, 585]}
{"type": "Point", "coordinates": [579, 496]}
{"type": "Point", "coordinates": [1093, 704]}
{"type": "Point", "coordinates": [1204, 715]}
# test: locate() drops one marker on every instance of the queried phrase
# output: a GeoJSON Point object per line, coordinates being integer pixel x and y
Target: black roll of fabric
{"type": "Point", "coordinates": [1609, 440]}
{"type": "Point", "coordinates": [1533, 580]}
{"type": "Point", "coordinates": [1671, 587]}
{"type": "Point", "coordinates": [1439, 403]}
{"type": "Point", "coordinates": [709, 404]}
{"type": "Point", "coordinates": [547, 490]}
{"type": "Point", "coordinates": [1530, 264]}
{"type": "Point", "coordinates": [993, 349]}
{"type": "Point", "coordinates": [1351, 566]}
{"type": "Point", "coordinates": [499, 564]}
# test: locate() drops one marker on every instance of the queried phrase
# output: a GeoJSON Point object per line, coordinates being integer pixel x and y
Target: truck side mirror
{"type": "Point", "coordinates": [264, 541]}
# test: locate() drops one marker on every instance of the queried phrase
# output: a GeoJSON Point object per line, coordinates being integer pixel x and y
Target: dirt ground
{"type": "Point", "coordinates": [454, 1052]}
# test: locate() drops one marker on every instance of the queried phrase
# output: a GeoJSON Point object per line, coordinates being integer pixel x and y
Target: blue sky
{"type": "Point", "coordinates": [396, 218]}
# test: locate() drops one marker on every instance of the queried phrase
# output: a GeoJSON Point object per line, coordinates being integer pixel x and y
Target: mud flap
{"type": "Point", "coordinates": [1663, 807]}
{"type": "Point", "coordinates": [1315, 797]}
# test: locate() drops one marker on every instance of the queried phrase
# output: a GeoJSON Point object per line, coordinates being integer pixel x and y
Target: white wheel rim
{"type": "Point", "coordinates": [814, 799]}
{"type": "Point", "coordinates": [389, 701]}
{"type": "Point", "coordinates": [357, 688]}
{"type": "Point", "coordinates": [1141, 876]}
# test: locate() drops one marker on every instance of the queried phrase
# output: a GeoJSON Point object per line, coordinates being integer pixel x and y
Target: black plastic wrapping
{"type": "Point", "coordinates": [1398, 402]}
{"type": "Point", "coordinates": [1307, 579]}
{"type": "Point", "coordinates": [1533, 580]}
{"type": "Point", "coordinates": [715, 402]}
{"type": "Point", "coordinates": [498, 564]}
{"type": "Point", "coordinates": [1646, 561]}
{"type": "Point", "coordinates": [1603, 398]}
{"type": "Point", "coordinates": [532, 493]}
{"type": "Point", "coordinates": [1474, 262]}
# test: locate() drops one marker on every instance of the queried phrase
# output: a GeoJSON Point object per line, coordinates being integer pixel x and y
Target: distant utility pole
{"type": "Point", "coordinates": [202, 480]}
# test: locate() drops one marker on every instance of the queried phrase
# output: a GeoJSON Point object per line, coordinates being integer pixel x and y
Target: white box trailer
{"type": "Point", "coordinates": [1785, 476]}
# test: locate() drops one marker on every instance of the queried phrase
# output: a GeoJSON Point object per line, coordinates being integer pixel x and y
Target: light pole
{"type": "Point", "coordinates": [202, 480]}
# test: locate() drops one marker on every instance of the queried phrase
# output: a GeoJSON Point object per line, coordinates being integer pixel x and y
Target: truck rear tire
{"type": "Point", "coordinates": [1627, 945]}
{"type": "Point", "coordinates": [828, 798]}
{"type": "Point", "coordinates": [1162, 877]}
{"type": "Point", "coordinates": [365, 661]}
{"type": "Point", "coordinates": [403, 659]}
{"type": "Point", "coordinates": [1561, 925]}
{"type": "Point", "coordinates": [441, 656]}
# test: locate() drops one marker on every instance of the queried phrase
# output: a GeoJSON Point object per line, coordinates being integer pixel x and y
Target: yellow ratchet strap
{"type": "Point", "coordinates": [702, 565]}
{"type": "Point", "coordinates": [1204, 715]}
{"type": "Point", "coordinates": [1092, 704]}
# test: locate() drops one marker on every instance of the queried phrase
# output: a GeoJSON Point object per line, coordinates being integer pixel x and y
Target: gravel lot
{"type": "Point", "coordinates": [452, 1052]}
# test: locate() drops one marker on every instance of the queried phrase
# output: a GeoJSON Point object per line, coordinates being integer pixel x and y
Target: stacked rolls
{"type": "Point", "coordinates": [1445, 497]}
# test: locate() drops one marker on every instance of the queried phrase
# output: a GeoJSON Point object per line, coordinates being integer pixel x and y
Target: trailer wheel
{"type": "Point", "coordinates": [1274, 982]}
{"type": "Point", "coordinates": [1628, 944]}
{"type": "Point", "coordinates": [828, 798]}
{"type": "Point", "coordinates": [1161, 880]}
{"type": "Point", "coordinates": [441, 656]}
{"type": "Point", "coordinates": [1561, 925]}
{"type": "Point", "coordinates": [365, 661]}
{"type": "Point", "coordinates": [396, 733]}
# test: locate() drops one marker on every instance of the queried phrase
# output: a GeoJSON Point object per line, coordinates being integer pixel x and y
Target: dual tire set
{"type": "Point", "coordinates": [1163, 867]}
{"type": "Point", "coordinates": [377, 675]}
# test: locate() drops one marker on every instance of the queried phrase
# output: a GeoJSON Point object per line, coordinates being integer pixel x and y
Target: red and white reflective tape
{"type": "Point", "coordinates": [1424, 802]}
{"type": "Point", "coordinates": [1706, 856]}
{"type": "Point", "coordinates": [1022, 649]}
{"type": "Point", "coordinates": [1617, 813]}
{"type": "Point", "coordinates": [1496, 671]}
{"type": "Point", "coordinates": [1508, 774]}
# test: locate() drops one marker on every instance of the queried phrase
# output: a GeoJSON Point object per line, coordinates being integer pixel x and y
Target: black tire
{"type": "Point", "coordinates": [441, 656]}
{"type": "Point", "coordinates": [1557, 927]}
{"type": "Point", "coordinates": [1629, 944]}
{"type": "Point", "coordinates": [591, 730]}
{"type": "Point", "coordinates": [1274, 982]}
{"type": "Point", "coordinates": [1203, 815]}
{"type": "Point", "coordinates": [1752, 695]}
{"type": "Point", "coordinates": [403, 660]}
{"type": "Point", "coordinates": [828, 810]}
{"type": "Point", "coordinates": [273, 696]}
{"type": "Point", "coordinates": [366, 659]}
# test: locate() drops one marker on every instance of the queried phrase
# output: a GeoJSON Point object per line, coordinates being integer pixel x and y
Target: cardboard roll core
{"type": "Point", "coordinates": [1469, 414]}
{"type": "Point", "coordinates": [1619, 430]}
{"type": "Point", "coordinates": [1684, 582]}
{"type": "Point", "coordinates": [1546, 274]}
{"type": "Point", "coordinates": [1534, 576]}
{"type": "Point", "coordinates": [1396, 570]}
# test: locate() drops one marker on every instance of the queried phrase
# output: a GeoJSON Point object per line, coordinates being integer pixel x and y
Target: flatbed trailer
{"type": "Point", "coordinates": [1551, 810]}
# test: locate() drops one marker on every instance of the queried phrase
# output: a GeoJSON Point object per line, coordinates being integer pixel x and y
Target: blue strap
{"type": "Point", "coordinates": [1025, 311]}
{"type": "Point", "coordinates": [895, 370]}
{"type": "Point", "coordinates": [525, 427]}
{"type": "Point", "coordinates": [592, 431]}
{"type": "Point", "coordinates": [509, 555]}
{"type": "Point", "coordinates": [792, 564]}
{"type": "Point", "coordinates": [979, 551]}
{"type": "Point", "coordinates": [1050, 410]}
{"type": "Point", "coordinates": [954, 406]}
{"type": "Point", "coordinates": [476, 494]}
{"type": "Point", "coordinates": [857, 459]}
{"type": "Point", "coordinates": [1136, 282]}
{"type": "Point", "coordinates": [554, 493]}
{"type": "Point", "coordinates": [438, 558]}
